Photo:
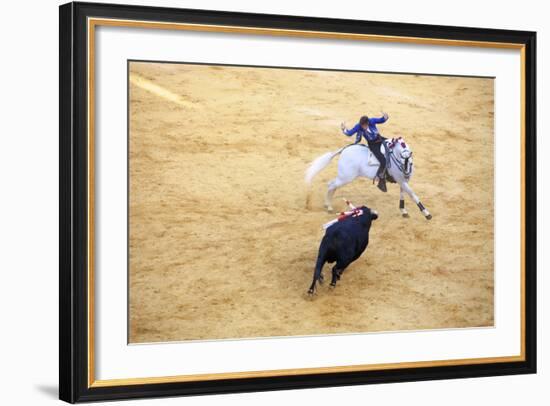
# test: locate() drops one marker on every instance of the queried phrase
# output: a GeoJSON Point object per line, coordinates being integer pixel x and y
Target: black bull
{"type": "Point", "coordinates": [343, 243]}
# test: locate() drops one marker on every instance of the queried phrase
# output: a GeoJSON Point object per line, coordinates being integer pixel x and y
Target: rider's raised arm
{"type": "Point", "coordinates": [352, 131]}
{"type": "Point", "coordinates": [379, 120]}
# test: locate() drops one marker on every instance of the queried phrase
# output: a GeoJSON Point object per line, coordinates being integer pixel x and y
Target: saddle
{"type": "Point", "coordinates": [386, 150]}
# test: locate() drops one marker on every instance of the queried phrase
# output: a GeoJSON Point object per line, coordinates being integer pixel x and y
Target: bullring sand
{"type": "Point", "coordinates": [221, 244]}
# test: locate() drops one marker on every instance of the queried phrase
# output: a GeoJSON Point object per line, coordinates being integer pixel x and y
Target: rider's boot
{"type": "Point", "coordinates": [382, 181]}
{"type": "Point", "coordinates": [382, 185]}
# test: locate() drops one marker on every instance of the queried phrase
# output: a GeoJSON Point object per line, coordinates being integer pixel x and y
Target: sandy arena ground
{"type": "Point", "coordinates": [221, 244]}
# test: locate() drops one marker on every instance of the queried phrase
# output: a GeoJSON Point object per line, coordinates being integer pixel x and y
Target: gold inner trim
{"type": "Point", "coordinates": [91, 203]}
{"type": "Point", "coordinates": [299, 371]}
{"type": "Point", "coordinates": [522, 180]}
{"type": "Point", "coordinates": [298, 33]}
{"type": "Point", "coordinates": [93, 22]}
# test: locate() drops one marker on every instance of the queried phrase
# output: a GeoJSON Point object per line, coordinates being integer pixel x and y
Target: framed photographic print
{"type": "Point", "coordinates": [257, 202]}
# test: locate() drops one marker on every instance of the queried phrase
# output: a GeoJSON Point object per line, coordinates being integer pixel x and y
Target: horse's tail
{"type": "Point", "coordinates": [319, 164]}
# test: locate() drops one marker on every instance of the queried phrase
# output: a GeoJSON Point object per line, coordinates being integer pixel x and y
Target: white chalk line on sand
{"type": "Point", "coordinates": [159, 91]}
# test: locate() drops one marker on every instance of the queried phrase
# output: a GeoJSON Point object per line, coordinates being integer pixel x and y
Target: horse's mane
{"type": "Point", "coordinates": [400, 141]}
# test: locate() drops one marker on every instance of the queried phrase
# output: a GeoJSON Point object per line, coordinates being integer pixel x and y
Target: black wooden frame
{"type": "Point", "coordinates": [73, 330]}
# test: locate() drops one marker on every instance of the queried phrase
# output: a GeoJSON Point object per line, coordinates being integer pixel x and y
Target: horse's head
{"type": "Point", "coordinates": [403, 154]}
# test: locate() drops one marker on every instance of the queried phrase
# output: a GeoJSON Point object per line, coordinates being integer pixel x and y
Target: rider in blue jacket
{"type": "Point", "coordinates": [366, 127]}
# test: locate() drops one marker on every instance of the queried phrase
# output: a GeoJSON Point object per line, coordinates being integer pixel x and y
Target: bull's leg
{"type": "Point", "coordinates": [313, 288]}
{"type": "Point", "coordinates": [317, 276]}
{"type": "Point", "coordinates": [404, 211]}
{"type": "Point", "coordinates": [405, 186]}
{"type": "Point", "coordinates": [337, 271]}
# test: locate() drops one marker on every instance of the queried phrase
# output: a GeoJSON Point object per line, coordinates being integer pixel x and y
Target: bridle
{"type": "Point", "coordinates": [404, 163]}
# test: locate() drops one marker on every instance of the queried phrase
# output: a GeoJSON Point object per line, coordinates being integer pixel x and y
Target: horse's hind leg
{"type": "Point", "coordinates": [330, 193]}
{"type": "Point", "coordinates": [404, 211]}
{"type": "Point", "coordinates": [332, 186]}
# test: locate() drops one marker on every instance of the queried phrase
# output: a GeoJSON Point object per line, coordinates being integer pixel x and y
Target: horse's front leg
{"type": "Point", "coordinates": [405, 186]}
{"type": "Point", "coordinates": [404, 211]}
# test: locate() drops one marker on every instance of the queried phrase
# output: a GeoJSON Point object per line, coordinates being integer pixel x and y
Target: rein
{"type": "Point", "coordinates": [405, 168]}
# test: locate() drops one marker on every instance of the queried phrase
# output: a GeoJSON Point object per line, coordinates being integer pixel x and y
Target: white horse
{"type": "Point", "coordinates": [357, 160]}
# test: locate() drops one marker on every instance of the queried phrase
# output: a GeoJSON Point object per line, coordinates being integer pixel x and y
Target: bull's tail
{"type": "Point", "coordinates": [319, 164]}
{"type": "Point", "coordinates": [321, 259]}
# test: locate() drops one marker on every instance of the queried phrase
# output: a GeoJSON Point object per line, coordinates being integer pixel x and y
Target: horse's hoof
{"type": "Point", "coordinates": [332, 285]}
{"type": "Point", "coordinates": [405, 215]}
{"type": "Point", "coordinates": [311, 292]}
{"type": "Point", "coordinates": [429, 217]}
